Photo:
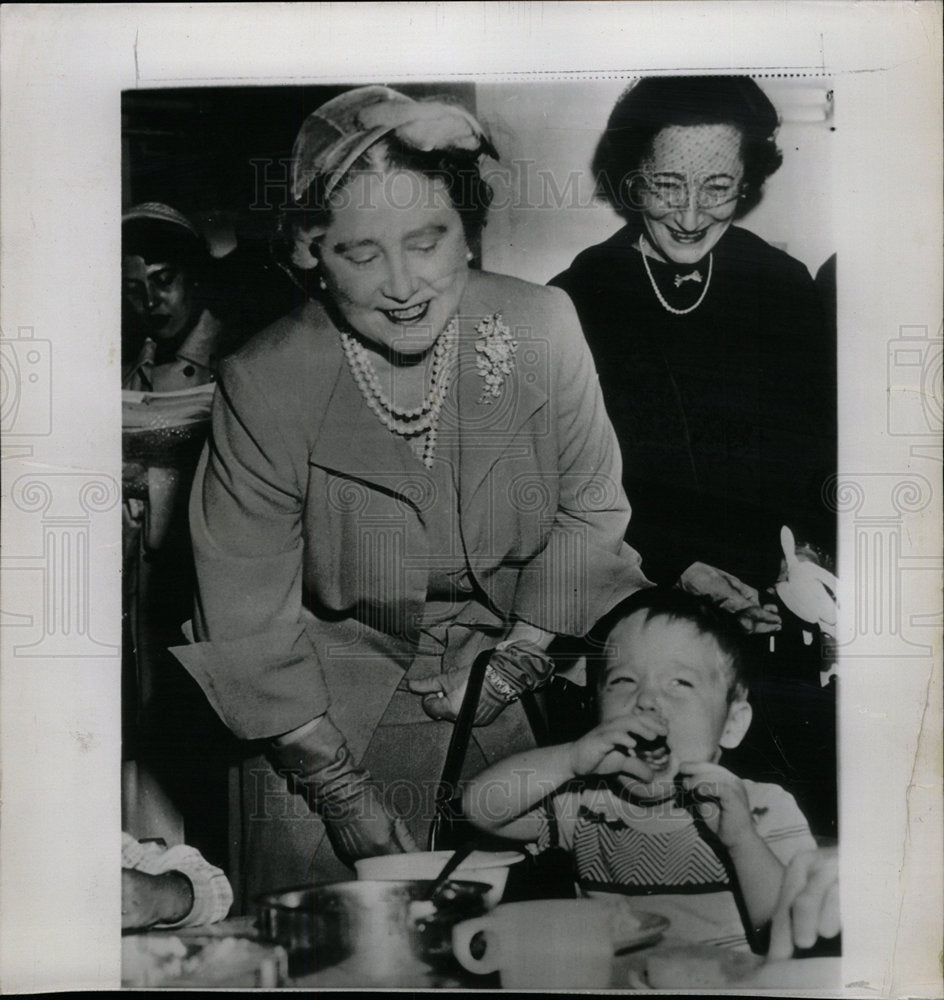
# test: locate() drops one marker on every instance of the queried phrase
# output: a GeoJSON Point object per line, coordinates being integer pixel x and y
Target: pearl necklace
{"type": "Point", "coordinates": [665, 305]}
{"type": "Point", "coordinates": [423, 419]}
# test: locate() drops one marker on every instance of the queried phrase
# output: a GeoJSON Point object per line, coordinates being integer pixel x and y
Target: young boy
{"type": "Point", "coordinates": [641, 801]}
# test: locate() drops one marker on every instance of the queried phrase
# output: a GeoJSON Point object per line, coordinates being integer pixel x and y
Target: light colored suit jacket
{"type": "Point", "coordinates": [308, 515]}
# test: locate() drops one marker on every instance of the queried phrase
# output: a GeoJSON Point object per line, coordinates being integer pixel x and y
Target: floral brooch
{"type": "Point", "coordinates": [496, 350]}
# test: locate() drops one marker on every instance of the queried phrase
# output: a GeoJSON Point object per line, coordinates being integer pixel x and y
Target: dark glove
{"type": "Point", "coordinates": [510, 672]}
{"type": "Point", "coordinates": [320, 767]}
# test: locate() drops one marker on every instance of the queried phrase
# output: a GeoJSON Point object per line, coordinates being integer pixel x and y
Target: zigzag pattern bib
{"type": "Point", "coordinates": [610, 852]}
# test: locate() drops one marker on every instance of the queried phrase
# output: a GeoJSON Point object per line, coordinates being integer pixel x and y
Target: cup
{"type": "Point", "coordinates": [545, 944]}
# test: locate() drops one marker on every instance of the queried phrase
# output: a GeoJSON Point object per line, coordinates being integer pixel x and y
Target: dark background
{"type": "Point", "coordinates": [193, 148]}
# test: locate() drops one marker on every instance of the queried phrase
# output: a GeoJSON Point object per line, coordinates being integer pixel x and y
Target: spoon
{"type": "Point", "coordinates": [458, 856]}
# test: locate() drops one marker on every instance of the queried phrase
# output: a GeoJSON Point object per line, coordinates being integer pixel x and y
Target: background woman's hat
{"type": "Point", "coordinates": [161, 234]}
{"type": "Point", "coordinates": [335, 135]}
{"type": "Point", "coordinates": [159, 212]}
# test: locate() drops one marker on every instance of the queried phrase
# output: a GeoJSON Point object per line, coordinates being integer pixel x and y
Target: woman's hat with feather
{"type": "Point", "coordinates": [333, 137]}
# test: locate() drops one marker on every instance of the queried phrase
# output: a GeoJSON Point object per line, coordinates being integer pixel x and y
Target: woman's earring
{"type": "Point", "coordinates": [469, 255]}
{"type": "Point", "coordinates": [322, 285]}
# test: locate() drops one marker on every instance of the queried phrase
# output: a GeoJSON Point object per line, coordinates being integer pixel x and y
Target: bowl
{"type": "Point", "coordinates": [490, 867]}
{"type": "Point", "coordinates": [383, 931]}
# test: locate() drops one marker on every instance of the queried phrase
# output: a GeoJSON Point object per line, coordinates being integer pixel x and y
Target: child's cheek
{"type": "Point", "coordinates": [612, 703]}
{"type": "Point", "coordinates": [688, 735]}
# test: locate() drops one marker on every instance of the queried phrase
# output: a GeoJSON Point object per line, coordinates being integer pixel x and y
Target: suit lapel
{"type": "Point", "coordinates": [490, 429]}
{"type": "Point", "coordinates": [353, 443]}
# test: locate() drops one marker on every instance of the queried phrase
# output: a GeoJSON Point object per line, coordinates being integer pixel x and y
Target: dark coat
{"type": "Point", "coordinates": [726, 415]}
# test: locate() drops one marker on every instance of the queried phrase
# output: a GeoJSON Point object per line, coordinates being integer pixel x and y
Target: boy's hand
{"type": "Point", "coordinates": [721, 801]}
{"type": "Point", "coordinates": [608, 749]}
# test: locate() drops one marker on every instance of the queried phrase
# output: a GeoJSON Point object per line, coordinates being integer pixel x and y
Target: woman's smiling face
{"type": "Point", "coordinates": [394, 258]}
{"type": "Point", "coordinates": [692, 179]}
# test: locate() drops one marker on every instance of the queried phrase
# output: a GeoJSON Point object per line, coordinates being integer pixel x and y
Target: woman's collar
{"type": "Point", "coordinates": [202, 344]}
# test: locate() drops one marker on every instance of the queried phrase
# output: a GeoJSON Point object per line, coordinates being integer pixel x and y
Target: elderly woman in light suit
{"type": "Point", "coordinates": [413, 468]}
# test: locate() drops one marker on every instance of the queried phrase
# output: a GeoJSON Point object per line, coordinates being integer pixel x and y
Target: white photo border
{"type": "Point", "coordinates": [63, 70]}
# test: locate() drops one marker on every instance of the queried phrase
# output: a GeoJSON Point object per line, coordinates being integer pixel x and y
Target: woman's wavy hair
{"type": "Point", "coordinates": [655, 103]}
{"type": "Point", "coordinates": [457, 169]}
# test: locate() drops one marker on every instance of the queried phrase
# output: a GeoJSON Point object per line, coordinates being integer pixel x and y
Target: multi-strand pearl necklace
{"type": "Point", "coordinates": [423, 419]}
{"type": "Point", "coordinates": [665, 305]}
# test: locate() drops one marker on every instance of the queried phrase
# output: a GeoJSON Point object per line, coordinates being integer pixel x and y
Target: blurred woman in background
{"type": "Point", "coordinates": [170, 338]}
{"type": "Point", "coordinates": [172, 341]}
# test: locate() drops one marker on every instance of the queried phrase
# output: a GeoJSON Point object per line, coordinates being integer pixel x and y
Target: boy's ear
{"type": "Point", "coordinates": [735, 729]}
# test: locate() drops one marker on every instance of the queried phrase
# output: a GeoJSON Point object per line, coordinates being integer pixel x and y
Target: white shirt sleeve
{"type": "Point", "coordinates": [779, 820]}
{"type": "Point", "coordinates": [212, 894]}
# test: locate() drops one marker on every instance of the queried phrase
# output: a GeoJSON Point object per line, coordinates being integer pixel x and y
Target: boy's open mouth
{"type": "Point", "coordinates": [655, 752]}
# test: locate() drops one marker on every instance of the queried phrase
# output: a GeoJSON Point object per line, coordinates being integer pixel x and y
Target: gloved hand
{"type": "Point", "coordinates": [512, 670]}
{"type": "Point", "coordinates": [727, 592]}
{"type": "Point", "coordinates": [320, 767]}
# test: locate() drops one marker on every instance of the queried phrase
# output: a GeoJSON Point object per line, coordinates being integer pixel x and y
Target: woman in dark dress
{"type": "Point", "coordinates": [717, 363]}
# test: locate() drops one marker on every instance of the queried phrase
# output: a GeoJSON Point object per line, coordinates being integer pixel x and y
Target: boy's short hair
{"type": "Point", "coordinates": [676, 605]}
